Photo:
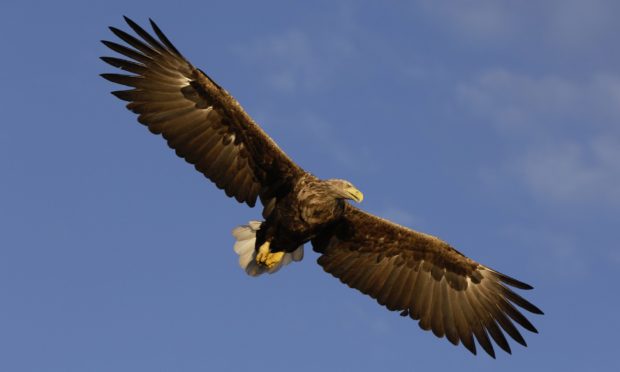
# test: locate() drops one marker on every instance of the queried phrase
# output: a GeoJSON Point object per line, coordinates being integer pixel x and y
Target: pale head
{"type": "Point", "coordinates": [344, 189]}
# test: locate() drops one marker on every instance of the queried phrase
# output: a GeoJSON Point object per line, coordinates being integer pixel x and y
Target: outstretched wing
{"type": "Point", "coordinates": [426, 279]}
{"type": "Point", "coordinates": [199, 119]}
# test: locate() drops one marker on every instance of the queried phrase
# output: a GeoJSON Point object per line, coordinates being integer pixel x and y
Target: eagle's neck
{"type": "Point", "coordinates": [319, 203]}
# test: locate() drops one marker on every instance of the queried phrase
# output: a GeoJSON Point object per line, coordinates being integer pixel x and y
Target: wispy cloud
{"type": "Point", "coordinates": [575, 23]}
{"type": "Point", "coordinates": [300, 59]}
{"type": "Point", "coordinates": [573, 172]}
{"type": "Point", "coordinates": [291, 59]}
{"type": "Point", "coordinates": [563, 132]}
{"type": "Point", "coordinates": [480, 20]}
{"type": "Point", "coordinates": [521, 103]}
{"type": "Point", "coordinates": [555, 253]}
{"type": "Point", "coordinates": [324, 135]}
{"type": "Point", "coordinates": [327, 140]}
{"type": "Point", "coordinates": [305, 61]}
{"type": "Point", "coordinates": [567, 24]}
{"type": "Point", "coordinates": [514, 102]}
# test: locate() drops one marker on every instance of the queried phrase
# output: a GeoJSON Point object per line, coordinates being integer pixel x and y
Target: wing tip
{"type": "Point", "coordinates": [115, 78]}
{"type": "Point", "coordinates": [164, 39]}
{"type": "Point", "coordinates": [510, 280]}
{"type": "Point", "coordinates": [516, 283]}
{"type": "Point", "coordinates": [535, 310]}
{"type": "Point", "coordinates": [107, 76]}
{"type": "Point", "coordinates": [471, 348]}
{"type": "Point", "coordinates": [124, 95]}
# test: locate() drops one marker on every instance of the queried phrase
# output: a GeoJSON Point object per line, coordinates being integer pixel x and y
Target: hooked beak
{"type": "Point", "coordinates": [355, 194]}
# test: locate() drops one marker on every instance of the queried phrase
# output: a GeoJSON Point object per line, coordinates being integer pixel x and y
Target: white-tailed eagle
{"type": "Point", "coordinates": [416, 274]}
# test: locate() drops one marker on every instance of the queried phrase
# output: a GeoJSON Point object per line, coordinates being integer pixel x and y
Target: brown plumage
{"type": "Point", "coordinates": [404, 270]}
{"type": "Point", "coordinates": [424, 278]}
{"type": "Point", "coordinates": [203, 123]}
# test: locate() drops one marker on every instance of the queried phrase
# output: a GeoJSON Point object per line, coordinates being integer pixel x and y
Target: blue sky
{"type": "Point", "coordinates": [492, 124]}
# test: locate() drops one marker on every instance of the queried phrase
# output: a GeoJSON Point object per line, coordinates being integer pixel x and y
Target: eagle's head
{"type": "Point", "coordinates": [343, 189]}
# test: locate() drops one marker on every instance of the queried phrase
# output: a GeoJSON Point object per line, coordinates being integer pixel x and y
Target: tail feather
{"type": "Point", "coordinates": [245, 247]}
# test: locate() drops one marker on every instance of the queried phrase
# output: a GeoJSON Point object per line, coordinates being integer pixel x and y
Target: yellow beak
{"type": "Point", "coordinates": [355, 194]}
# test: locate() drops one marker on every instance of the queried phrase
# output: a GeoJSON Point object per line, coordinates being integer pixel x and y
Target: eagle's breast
{"type": "Point", "coordinates": [317, 205]}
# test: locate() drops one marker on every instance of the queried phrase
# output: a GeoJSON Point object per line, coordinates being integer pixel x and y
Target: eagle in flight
{"type": "Point", "coordinates": [417, 274]}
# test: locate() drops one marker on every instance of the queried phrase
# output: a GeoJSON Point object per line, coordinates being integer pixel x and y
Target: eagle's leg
{"type": "Point", "coordinates": [266, 257]}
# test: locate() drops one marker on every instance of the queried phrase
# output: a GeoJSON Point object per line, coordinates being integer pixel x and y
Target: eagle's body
{"type": "Point", "coordinates": [414, 273]}
{"type": "Point", "coordinates": [310, 206]}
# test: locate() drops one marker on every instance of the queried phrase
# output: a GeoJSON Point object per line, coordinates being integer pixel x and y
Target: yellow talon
{"type": "Point", "coordinates": [266, 258]}
{"type": "Point", "coordinates": [274, 259]}
{"type": "Point", "coordinates": [263, 251]}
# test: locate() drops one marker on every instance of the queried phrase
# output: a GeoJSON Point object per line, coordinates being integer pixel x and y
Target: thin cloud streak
{"type": "Point", "coordinates": [563, 132]}
{"type": "Point", "coordinates": [519, 103]}
{"type": "Point", "coordinates": [573, 172]}
{"type": "Point", "coordinates": [478, 20]}
{"type": "Point", "coordinates": [565, 24]}
{"type": "Point", "coordinates": [296, 60]}
{"type": "Point", "coordinates": [552, 252]}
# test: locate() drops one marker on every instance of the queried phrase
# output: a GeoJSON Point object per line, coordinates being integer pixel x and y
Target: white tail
{"type": "Point", "coordinates": [244, 247]}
